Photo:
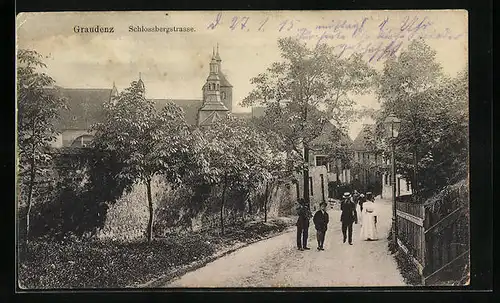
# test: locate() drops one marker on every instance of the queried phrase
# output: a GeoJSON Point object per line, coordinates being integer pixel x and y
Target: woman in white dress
{"type": "Point", "coordinates": [369, 221]}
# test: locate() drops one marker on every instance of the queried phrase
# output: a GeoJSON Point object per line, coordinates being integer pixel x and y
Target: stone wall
{"type": "Point", "coordinates": [127, 219]}
{"type": "Point", "coordinates": [319, 191]}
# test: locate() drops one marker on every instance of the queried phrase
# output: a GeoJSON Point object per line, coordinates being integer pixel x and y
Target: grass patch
{"type": "Point", "coordinates": [408, 270]}
{"type": "Point", "coordinates": [406, 267]}
{"type": "Point", "coordinates": [108, 264]}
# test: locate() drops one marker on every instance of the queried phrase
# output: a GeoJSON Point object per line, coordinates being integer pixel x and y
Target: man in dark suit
{"type": "Point", "coordinates": [348, 217]}
{"type": "Point", "coordinates": [320, 223]}
{"type": "Point", "coordinates": [304, 214]}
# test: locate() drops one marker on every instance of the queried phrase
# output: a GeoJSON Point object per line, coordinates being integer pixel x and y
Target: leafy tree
{"type": "Point", "coordinates": [146, 141]}
{"type": "Point", "coordinates": [305, 91]}
{"type": "Point", "coordinates": [431, 148]}
{"type": "Point", "coordinates": [236, 157]}
{"type": "Point", "coordinates": [38, 108]}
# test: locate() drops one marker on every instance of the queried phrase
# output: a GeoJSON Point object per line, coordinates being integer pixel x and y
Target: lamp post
{"type": "Point", "coordinates": [392, 124]}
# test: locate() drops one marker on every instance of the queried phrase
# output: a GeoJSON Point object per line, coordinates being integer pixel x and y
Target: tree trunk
{"type": "Point", "coordinates": [249, 204]}
{"type": "Point", "coordinates": [31, 184]}
{"type": "Point", "coordinates": [338, 172]}
{"type": "Point", "coordinates": [306, 174]}
{"type": "Point", "coordinates": [265, 201]}
{"type": "Point", "coordinates": [222, 207]}
{"type": "Point", "coordinates": [151, 211]}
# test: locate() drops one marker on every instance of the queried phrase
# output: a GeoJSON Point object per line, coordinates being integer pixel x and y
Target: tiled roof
{"type": "Point", "coordinates": [85, 107]}
{"type": "Point", "coordinates": [223, 81]}
{"type": "Point", "coordinates": [360, 142]}
{"type": "Point", "coordinates": [323, 138]}
{"type": "Point", "coordinates": [211, 119]}
{"type": "Point", "coordinates": [189, 106]}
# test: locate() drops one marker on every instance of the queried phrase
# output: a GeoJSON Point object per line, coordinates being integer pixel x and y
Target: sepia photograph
{"type": "Point", "coordinates": [242, 149]}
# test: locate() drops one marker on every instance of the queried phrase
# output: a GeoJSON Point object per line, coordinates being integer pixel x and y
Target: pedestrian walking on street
{"type": "Point", "coordinates": [370, 197]}
{"type": "Point", "coordinates": [369, 222]}
{"type": "Point", "coordinates": [355, 196]}
{"type": "Point", "coordinates": [348, 216]}
{"type": "Point", "coordinates": [361, 201]}
{"type": "Point", "coordinates": [304, 214]}
{"type": "Point", "coordinates": [320, 220]}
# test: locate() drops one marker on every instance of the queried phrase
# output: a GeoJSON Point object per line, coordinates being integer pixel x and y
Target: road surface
{"type": "Point", "coordinates": [276, 262]}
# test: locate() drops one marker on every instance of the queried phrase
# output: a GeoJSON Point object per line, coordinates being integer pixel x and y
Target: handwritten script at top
{"type": "Point", "coordinates": [376, 39]}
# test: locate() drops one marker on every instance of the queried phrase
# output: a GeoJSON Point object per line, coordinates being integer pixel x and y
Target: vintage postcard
{"type": "Point", "coordinates": [242, 149]}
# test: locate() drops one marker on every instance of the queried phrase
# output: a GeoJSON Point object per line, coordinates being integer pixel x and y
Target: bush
{"type": "Point", "coordinates": [104, 264]}
{"type": "Point", "coordinates": [75, 263]}
{"type": "Point", "coordinates": [84, 183]}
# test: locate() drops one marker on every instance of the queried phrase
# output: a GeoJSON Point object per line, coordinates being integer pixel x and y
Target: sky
{"type": "Point", "coordinates": [176, 64]}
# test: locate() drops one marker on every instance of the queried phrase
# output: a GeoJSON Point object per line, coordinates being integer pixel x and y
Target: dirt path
{"type": "Point", "coordinates": [277, 263]}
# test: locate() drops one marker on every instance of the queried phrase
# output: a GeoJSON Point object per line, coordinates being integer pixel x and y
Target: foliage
{"type": "Point", "coordinates": [143, 138]}
{"type": "Point", "coordinates": [309, 88]}
{"type": "Point", "coordinates": [305, 92]}
{"type": "Point", "coordinates": [231, 167]}
{"type": "Point", "coordinates": [73, 263]}
{"type": "Point", "coordinates": [433, 110]}
{"type": "Point", "coordinates": [146, 141]}
{"type": "Point", "coordinates": [84, 187]}
{"type": "Point", "coordinates": [38, 107]}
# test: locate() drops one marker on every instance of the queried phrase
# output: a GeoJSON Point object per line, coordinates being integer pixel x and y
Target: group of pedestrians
{"type": "Point", "coordinates": [367, 217]}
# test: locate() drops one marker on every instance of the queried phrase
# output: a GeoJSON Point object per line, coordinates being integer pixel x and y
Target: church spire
{"type": "Point", "coordinates": [217, 57]}
{"type": "Point", "coordinates": [141, 85]}
{"type": "Point", "coordinates": [114, 92]}
{"type": "Point", "coordinates": [212, 100]}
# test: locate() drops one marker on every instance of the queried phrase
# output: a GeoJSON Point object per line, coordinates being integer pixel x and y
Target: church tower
{"type": "Point", "coordinates": [212, 109]}
{"type": "Point", "coordinates": [226, 89]}
{"type": "Point", "coordinates": [114, 93]}
{"type": "Point", "coordinates": [141, 86]}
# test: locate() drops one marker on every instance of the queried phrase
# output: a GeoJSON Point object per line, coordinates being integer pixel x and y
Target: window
{"type": "Point", "coordinates": [321, 160]}
{"type": "Point", "coordinates": [223, 95]}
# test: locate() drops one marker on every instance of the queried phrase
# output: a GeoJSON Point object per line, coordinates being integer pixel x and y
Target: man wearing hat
{"type": "Point", "coordinates": [320, 220]}
{"type": "Point", "coordinates": [348, 216]}
{"type": "Point", "coordinates": [304, 214]}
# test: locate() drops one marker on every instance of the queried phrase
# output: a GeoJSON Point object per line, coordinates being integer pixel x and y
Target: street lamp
{"type": "Point", "coordinates": [392, 124]}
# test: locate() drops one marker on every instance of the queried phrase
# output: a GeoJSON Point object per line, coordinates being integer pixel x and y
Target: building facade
{"type": "Point", "coordinates": [368, 162]}
{"type": "Point", "coordinates": [85, 106]}
{"type": "Point", "coordinates": [372, 167]}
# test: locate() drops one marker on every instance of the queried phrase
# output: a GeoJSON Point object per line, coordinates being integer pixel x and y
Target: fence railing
{"type": "Point", "coordinates": [436, 239]}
